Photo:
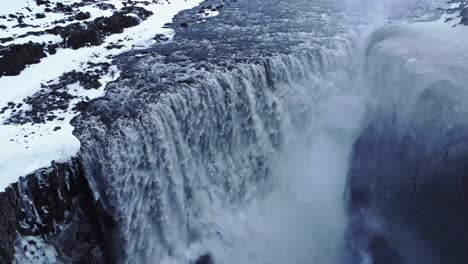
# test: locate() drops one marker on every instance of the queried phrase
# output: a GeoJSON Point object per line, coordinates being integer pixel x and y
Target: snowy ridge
{"type": "Point", "coordinates": [37, 105]}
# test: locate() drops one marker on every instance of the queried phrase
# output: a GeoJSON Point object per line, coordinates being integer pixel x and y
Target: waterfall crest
{"type": "Point", "coordinates": [199, 153]}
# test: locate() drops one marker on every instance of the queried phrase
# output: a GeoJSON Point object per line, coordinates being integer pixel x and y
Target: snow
{"type": "Point", "coordinates": [454, 5]}
{"type": "Point", "coordinates": [24, 155]}
{"type": "Point", "coordinates": [51, 19]}
{"type": "Point", "coordinates": [11, 7]}
{"type": "Point", "coordinates": [26, 148]}
{"type": "Point", "coordinates": [210, 13]}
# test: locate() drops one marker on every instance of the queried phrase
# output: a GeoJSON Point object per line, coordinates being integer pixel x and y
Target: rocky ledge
{"type": "Point", "coordinates": [52, 215]}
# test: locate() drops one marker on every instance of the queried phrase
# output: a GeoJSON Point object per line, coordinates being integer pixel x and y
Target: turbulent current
{"type": "Point", "coordinates": [271, 134]}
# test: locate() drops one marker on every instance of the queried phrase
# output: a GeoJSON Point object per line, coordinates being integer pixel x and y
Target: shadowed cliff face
{"type": "Point", "coordinates": [408, 194]}
{"type": "Point", "coordinates": [407, 184]}
{"type": "Point", "coordinates": [55, 205]}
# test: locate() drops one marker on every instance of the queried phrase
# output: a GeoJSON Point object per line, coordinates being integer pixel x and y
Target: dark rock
{"type": "Point", "coordinates": [83, 38]}
{"type": "Point", "coordinates": [40, 15]}
{"type": "Point", "coordinates": [184, 25]}
{"type": "Point", "coordinates": [16, 57]}
{"type": "Point", "coordinates": [114, 46]}
{"type": "Point", "coordinates": [205, 259]}
{"type": "Point", "coordinates": [22, 25]}
{"type": "Point", "coordinates": [381, 252]}
{"type": "Point", "coordinates": [20, 19]}
{"type": "Point", "coordinates": [93, 32]}
{"type": "Point", "coordinates": [41, 202]}
{"type": "Point", "coordinates": [161, 38]}
{"type": "Point", "coordinates": [8, 39]}
{"type": "Point", "coordinates": [60, 7]}
{"type": "Point", "coordinates": [81, 106]}
{"type": "Point", "coordinates": [115, 23]}
{"type": "Point", "coordinates": [105, 6]}
{"type": "Point", "coordinates": [464, 16]}
{"type": "Point", "coordinates": [139, 11]}
{"type": "Point", "coordinates": [412, 181]}
{"type": "Point", "coordinates": [9, 209]}
{"type": "Point", "coordinates": [42, 2]}
{"type": "Point", "coordinates": [95, 255]}
{"type": "Point", "coordinates": [55, 96]}
{"type": "Point", "coordinates": [52, 49]}
{"type": "Point", "coordinates": [82, 16]}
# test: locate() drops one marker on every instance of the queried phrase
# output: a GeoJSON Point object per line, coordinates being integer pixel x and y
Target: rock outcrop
{"type": "Point", "coordinates": [56, 206]}
{"type": "Point", "coordinates": [15, 58]}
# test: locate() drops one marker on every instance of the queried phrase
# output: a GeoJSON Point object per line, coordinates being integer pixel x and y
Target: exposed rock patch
{"type": "Point", "coordinates": [82, 16]}
{"type": "Point", "coordinates": [81, 38]}
{"type": "Point", "coordinates": [15, 58]}
{"type": "Point", "coordinates": [56, 96]}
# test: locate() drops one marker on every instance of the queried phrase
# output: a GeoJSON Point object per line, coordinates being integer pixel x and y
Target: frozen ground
{"type": "Point", "coordinates": [27, 146]}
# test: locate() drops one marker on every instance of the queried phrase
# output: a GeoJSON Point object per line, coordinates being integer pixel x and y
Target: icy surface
{"type": "Point", "coordinates": [25, 148]}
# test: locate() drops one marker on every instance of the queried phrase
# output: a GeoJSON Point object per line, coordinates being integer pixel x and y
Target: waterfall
{"type": "Point", "coordinates": [201, 165]}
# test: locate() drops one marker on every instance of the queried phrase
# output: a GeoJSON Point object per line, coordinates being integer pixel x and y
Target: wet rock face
{"type": "Point", "coordinates": [55, 206]}
{"type": "Point", "coordinates": [407, 188]}
{"type": "Point", "coordinates": [464, 15]}
{"type": "Point", "coordinates": [8, 222]}
{"type": "Point", "coordinates": [15, 58]}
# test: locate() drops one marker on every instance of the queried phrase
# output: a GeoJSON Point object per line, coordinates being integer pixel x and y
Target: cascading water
{"type": "Point", "coordinates": [195, 172]}
{"type": "Point", "coordinates": [246, 162]}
